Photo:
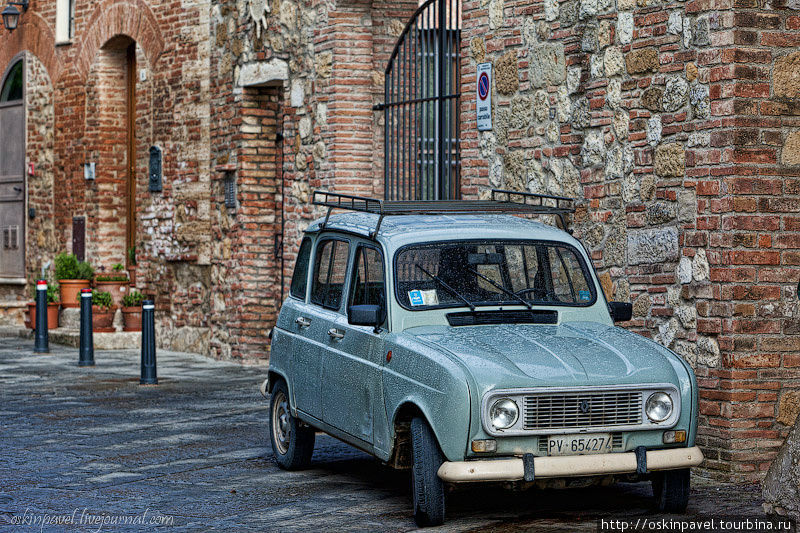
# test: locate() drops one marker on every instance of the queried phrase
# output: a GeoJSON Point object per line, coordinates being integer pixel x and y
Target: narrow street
{"type": "Point", "coordinates": [196, 448]}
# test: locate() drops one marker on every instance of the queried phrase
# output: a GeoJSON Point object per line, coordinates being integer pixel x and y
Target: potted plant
{"type": "Point", "coordinates": [132, 311]}
{"type": "Point", "coordinates": [102, 312]}
{"type": "Point", "coordinates": [52, 307]}
{"type": "Point", "coordinates": [132, 265]}
{"type": "Point", "coordinates": [72, 276]}
{"type": "Point", "coordinates": [116, 284]}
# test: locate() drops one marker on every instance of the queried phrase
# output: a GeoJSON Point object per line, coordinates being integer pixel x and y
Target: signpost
{"type": "Point", "coordinates": [484, 97]}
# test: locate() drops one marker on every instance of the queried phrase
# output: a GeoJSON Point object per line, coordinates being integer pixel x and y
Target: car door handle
{"type": "Point", "coordinates": [302, 321]}
{"type": "Point", "coordinates": [335, 334]}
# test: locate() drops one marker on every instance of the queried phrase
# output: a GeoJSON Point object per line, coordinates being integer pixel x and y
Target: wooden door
{"type": "Point", "coordinates": [12, 174]}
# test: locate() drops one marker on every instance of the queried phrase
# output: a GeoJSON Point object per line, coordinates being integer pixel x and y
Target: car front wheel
{"type": "Point", "coordinates": [292, 443]}
{"type": "Point", "coordinates": [671, 490]}
{"type": "Point", "coordinates": [428, 488]}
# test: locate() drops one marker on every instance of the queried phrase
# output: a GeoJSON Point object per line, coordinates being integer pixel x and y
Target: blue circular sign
{"type": "Point", "coordinates": [483, 86]}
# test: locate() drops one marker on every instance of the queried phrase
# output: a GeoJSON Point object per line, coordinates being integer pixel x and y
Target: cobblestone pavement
{"type": "Point", "coordinates": [195, 448]}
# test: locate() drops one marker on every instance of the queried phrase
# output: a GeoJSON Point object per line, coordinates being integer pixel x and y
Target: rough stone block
{"type": "Point", "coordinates": [786, 76]}
{"type": "Point", "coordinates": [548, 65]}
{"type": "Point", "coordinates": [506, 73]}
{"type": "Point", "coordinates": [642, 60]}
{"type": "Point", "coordinates": [670, 160]}
{"type": "Point", "coordinates": [652, 245]}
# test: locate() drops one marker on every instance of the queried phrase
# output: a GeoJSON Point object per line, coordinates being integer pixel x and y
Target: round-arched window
{"type": "Point", "coordinates": [12, 88]}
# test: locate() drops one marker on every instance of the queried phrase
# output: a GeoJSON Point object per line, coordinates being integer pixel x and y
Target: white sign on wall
{"type": "Point", "coordinates": [484, 97]}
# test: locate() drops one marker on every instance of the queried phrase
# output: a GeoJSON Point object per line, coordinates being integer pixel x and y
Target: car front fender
{"type": "Point", "coordinates": [436, 385]}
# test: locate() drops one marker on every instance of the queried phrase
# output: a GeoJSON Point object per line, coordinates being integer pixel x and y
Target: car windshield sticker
{"type": "Point", "coordinates": [418, 297]}
{"type": "Point", "coordinates": [415, 297]}
{"type": "Point", "coordinates": [584, 296]}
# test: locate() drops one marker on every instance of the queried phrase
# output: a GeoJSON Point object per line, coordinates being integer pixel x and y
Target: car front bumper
{"type": "Point", "coordinates": [513, 469]}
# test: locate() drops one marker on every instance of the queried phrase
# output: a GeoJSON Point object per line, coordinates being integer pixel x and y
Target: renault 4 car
{"type": "Point", "coordinates": [469, 343]}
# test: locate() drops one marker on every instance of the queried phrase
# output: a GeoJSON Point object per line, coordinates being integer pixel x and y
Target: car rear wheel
{"type": "Point", "coordinates": [671, 490]}
{"type": "Point", "coordinates": [428, 488]}
{"type": "Point", "coordinates": [292, 443]}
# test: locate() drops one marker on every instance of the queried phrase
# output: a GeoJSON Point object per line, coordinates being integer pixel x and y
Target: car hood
{"type": "Point", "coordinates": [572, 354]}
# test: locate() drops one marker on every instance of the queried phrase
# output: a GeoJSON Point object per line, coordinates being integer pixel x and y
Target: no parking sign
{"type": "Point", "coordinates": [484, 97]}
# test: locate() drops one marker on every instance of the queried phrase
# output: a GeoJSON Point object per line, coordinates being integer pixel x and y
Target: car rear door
{"type": "Point", "coordinates": [313, 320]}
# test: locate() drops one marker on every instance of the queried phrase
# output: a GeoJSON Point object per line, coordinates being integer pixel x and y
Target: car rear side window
{"type": "Point", "coordinates": [300, 276]}
{"type": "Point", "coordinates": [330, 269]}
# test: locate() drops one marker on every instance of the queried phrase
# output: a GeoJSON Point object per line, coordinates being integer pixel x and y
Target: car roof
{"type": "Point", "coordinates": [399, 230]}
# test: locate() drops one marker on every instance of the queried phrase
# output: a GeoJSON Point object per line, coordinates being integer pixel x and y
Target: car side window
{"type": "Point", "coordinates": [369, 285]}
{"type": "Point", "coordinates": [330, 269]}
{"type": "Point", "coordinates": [300, 276]}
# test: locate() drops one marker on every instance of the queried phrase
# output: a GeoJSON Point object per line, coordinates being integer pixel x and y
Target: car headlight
{"type": "Point", "coordinates": [658, 406]}
{"type": "Point", "coordinates": [504, 413]}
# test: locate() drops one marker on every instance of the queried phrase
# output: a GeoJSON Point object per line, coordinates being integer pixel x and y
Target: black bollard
{"type": "Point", "coordinates": [86, 352]}
{"type": "Point", "coordinates": [148, 344]}
{"type": "Point", "coordinates": [42, 341]}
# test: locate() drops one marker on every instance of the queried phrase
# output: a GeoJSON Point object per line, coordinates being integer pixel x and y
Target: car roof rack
{"type": "Point", "coordinates": [501, 201]}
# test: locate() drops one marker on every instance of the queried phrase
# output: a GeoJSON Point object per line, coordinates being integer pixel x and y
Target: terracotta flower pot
{"type": "Point", "coordinates": [117, 289]}
{"type": "Point", "coordinates": [132, 318]}
{"type": "Point", "coordinates": [52, 315]}
{"type": "Point", "coordinates": [70, 290]}
{"type": "Point", "coordinates": [102, 319]}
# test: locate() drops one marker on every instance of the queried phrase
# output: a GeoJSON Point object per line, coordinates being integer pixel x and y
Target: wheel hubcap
{"type": "Point", "coordinates": [281, 427]}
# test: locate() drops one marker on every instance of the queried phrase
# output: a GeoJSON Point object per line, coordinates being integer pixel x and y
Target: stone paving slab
{"type": "Point", "coordinates": [195, 448]}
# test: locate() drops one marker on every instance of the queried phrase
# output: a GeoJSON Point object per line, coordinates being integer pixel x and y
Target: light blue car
{"type": "Point", "coordinates": [472, 345]}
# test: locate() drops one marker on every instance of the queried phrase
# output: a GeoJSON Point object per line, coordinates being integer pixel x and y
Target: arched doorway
{"type": "Point", "coordinates": [111, 142]}
{"type": "Point", "coordinates": [12, 172]}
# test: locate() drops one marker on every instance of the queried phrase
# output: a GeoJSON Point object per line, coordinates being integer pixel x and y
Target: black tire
{"type": "Point", "coordinates": [671, 490]}
{"type": "Point", "coordinates": [428, 489]}
{"type": "Point", "coordinates": [292, 443]}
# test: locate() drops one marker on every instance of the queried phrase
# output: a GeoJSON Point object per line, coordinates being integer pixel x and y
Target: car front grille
{"type": "Point", "coordinates": [595, 409]}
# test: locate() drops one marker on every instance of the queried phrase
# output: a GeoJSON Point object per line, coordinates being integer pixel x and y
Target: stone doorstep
{"type": "Point", "coordinates": [119, 340]}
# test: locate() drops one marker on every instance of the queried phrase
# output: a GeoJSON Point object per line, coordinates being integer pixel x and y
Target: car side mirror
{"type": "Point", "coordinates": [620, 311]}
{"type": "Point", "coordinates": [365, 315]}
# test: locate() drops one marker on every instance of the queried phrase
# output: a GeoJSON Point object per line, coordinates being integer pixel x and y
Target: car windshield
{"type": "Point", "coordinates": [482, 273]}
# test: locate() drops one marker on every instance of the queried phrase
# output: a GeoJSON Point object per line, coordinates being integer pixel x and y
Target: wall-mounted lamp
{"type": "Point", "coordinates": [11, 14]}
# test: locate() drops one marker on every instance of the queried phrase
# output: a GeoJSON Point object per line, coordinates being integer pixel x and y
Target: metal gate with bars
{"type": "Point", "coordinates": [421, 106]}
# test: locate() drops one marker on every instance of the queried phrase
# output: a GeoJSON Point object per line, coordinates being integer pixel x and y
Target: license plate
{"type": "Point", "coordinates": [579, 444]}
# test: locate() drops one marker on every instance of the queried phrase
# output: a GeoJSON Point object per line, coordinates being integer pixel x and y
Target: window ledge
{"type": "Point", "coordinates": [64, 43]}
{"type": "Point", "coordinates": [13, 281]}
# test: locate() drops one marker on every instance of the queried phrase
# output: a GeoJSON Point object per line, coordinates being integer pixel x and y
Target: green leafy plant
{"type": "Point", "coordinates": [85, 271]}
{"type": "Point", "coordinates": [112, 277]}
{"type": "Point", "coordinates": [66, 266]}
{"type": "Point", "coordinates": [132, 256]}
{"type": "Point", "coordinates": [117, 267]}
{"type": "Point", "coordinates": [133, 299]}
{"type": "Point", "coordinates": [102, 299]}
{"type": "Point", "coordinates": [52, 293]}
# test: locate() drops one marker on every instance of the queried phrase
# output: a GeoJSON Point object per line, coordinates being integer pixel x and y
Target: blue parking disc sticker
{"type": "Point", "coordinates": [584, 296]}
{"type": "Point", "coordinates": [415, 297]}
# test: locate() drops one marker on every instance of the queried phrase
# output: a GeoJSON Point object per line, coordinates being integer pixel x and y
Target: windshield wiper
{"type": "Point", "coordinates": [447, 287]}
{"type": "Point", "coordinates": [498, 286]}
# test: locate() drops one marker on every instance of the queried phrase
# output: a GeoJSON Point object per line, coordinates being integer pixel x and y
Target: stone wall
{"type": "Point", "coordinates": [661, 119]}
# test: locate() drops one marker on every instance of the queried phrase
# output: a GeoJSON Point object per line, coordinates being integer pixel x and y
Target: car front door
{"type": "Point", "coordinates": [351, 383]}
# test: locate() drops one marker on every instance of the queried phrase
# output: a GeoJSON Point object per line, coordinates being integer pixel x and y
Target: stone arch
{"type": "Point", "coordinates": [113, 18]}
{"type": "Point", "coordinates": [34, 36]}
